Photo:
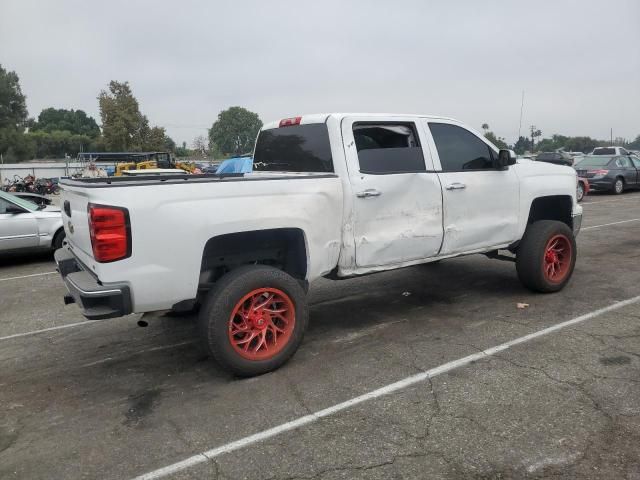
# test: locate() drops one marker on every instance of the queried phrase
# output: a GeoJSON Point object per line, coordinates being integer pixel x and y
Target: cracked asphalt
{"type": "Point", "coordinates": [111, 400]}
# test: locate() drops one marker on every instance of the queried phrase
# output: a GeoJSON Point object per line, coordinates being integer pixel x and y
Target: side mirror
{"type": "Point", "coordinates": [506, 158]}
{"type": "Point", "coordinates": [14, 209]}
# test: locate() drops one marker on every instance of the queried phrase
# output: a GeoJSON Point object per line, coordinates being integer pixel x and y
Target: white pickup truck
{"type": "Point", "coordinates": [332, 195]}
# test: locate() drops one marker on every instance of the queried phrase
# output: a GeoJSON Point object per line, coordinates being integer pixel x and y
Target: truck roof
{"type": "Point", "coordinates": [322, 117]}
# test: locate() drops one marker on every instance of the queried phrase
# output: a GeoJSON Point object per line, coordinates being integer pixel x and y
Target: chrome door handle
{"type": "Point", "coordinates": [369, 192]}
{"type": "Point", "coordinates": [456, 186]}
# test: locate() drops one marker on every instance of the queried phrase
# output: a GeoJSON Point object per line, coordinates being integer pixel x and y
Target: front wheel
{"type": "Point", "coordinates": [580, 192]}
{"type": "Point", "coordinates": [254, 319]}
{"type": "Point", "coordinates": [546, 256]}
{"type": "Point", "coordinates": [58, 240]}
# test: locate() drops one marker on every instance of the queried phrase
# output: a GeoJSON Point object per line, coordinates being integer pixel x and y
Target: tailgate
{"type": "Point", "coordinates": [74, 203]}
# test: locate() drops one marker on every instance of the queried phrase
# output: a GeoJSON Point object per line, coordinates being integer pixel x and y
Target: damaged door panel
{"type": "Point", "coordinates": [398, 200]}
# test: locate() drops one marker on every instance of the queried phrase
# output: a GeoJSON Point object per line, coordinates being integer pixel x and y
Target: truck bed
{"type": "Point", "coordinates": [173, 217]}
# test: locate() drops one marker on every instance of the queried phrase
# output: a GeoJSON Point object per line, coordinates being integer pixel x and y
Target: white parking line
{"type": "Point", "coordinates": [386, 390]}
{"type": "Point", "coordinates": [612, 223]}
{"type": "Point", "coordinates": [60, 327]}
{"type": "Point", "coordinates": [26, 276]}
{"type": "Point", "coordinates": [137, 352]}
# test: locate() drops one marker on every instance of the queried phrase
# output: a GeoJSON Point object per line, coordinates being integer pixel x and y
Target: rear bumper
{"type": "Point", "coordinates": [96, 300]}
{"type": "Point", "coordinates": [602, 185]}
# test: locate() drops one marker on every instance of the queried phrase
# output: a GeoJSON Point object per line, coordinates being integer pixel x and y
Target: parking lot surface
{"type": "Point", "coordinates": [111, 400]}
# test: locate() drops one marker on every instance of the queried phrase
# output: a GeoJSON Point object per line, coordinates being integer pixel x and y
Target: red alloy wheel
{"type": "Point", "coordinates": [261, 323]}
{"type": "Point", "coordinates": [557, 258]}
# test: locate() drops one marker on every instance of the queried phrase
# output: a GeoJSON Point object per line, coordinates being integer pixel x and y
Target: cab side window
{"type": "Point", "coordinates": [386, 148]}
{"type": "Point", "coordinates": [460, 150]}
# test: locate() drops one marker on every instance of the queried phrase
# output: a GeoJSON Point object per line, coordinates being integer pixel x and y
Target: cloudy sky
{"type": "Point", "coordinates": [577, 61]}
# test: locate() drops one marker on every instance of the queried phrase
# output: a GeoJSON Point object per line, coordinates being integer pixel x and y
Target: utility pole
{"type": "Point", "coordinates": [533, 130]}
{"type": "Point", "coordinates": [612, 136]}
{"type": "Point", "coordinates": [521, 108]}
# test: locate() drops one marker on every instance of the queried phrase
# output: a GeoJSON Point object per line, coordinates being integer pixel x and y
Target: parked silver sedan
{"type": "Point", "coordinates": [25, 225]}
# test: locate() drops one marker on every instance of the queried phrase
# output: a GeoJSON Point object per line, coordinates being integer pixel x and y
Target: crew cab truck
{"type": "Point", "coordinates": [331, 195]}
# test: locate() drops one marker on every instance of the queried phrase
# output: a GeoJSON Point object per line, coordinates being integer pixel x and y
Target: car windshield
{"type": "Point", "coordinates": [26, 204]}
{"type": "Point", "coordinates": [593, 162]}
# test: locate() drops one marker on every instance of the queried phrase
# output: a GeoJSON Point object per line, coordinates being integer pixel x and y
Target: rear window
{"type": "Point", "coordinates": [298, 148]}
{"type": "Point", "coordinates": [604, 151]}
{"type": "Point", "coordinates": [593, 162]}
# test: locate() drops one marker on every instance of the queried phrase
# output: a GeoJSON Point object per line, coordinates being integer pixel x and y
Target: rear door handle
{"type": "Point", "coordinates": [369, 192]}
{"type": "Point", "coordinates": [456, 186]}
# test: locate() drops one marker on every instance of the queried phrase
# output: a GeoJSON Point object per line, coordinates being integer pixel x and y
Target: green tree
{"type": "Point", "coordinates": [182, 150]}
{"type": "Point", "coordinates": [497, 141]}
{"type": "Point", "coordinates": [235, 131]}
{"type": "Point", "coordinates": [74, 121]}
{"type": "Point", "coordinates": [58, 143]}
{"type": "Point", "coordinates": [569, 144]}
{"type": "Point", "coordinates": [169, 144]}
{"type": "Point", "coordinates": [635, 145]}
{"type": "Point", "coordinates": [522, 145]}
{"type": "Point", "coordinates": [13, 117]}
{"type": "Point", "coordinates": [124, 127]}
{"type": "Point", "coordinates": [122, 121]}
{"type": "Point", "coordinates": [485, 128]}
{"type": "Point", "coordinates": [535, 133]}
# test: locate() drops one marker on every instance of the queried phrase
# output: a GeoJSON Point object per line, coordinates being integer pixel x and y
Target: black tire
{"type": "Point", "coordinates": [580, 192]}
{"type": "Point", "coordinates": [58, 239]}
{"type": "Point", "coordinates": [618, 186]}
{"type": "Point", "coordinates": [531, 256]}
{"type": "Point", "coordinates": [216, 312]}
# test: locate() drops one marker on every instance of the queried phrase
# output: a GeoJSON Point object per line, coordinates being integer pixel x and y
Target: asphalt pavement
{"type": "Point", "coordinates": [549, 390]}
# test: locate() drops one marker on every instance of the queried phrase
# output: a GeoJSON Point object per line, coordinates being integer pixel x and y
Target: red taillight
{"type": "Point", "coordinates": [598, 172]}
{"type": "Point", "coordinates": [287, 122]}
{"type": "Point", "coordinates": [110, 232]}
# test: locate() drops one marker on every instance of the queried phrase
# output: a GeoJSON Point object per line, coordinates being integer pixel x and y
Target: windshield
{"type": "Point", "coordinates": [593, 162]}
{"type": "Point", "coordinates": [26, 204]}
{"type": "Point", "coordinates": [297, 148]}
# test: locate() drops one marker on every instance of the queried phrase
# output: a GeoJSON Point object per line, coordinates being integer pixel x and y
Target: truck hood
{"type": "Point", "coordinates": [538, 169]}
{"type": "Point", "coordinates": [50, 211]}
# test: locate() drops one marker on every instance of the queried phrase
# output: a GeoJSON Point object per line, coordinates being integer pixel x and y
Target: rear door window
{"type": "Point", "coordinates": [296, 148]}
{"type": "Point", "coordinates": [387, 148]}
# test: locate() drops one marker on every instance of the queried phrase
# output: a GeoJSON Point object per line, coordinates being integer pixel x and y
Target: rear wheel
{"type": "Point", "coordinates": [254, 319]}
{"type": "Point", "coordinates": [618, 186]}
{"type": "Point", "coordinates": [546, 256]}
